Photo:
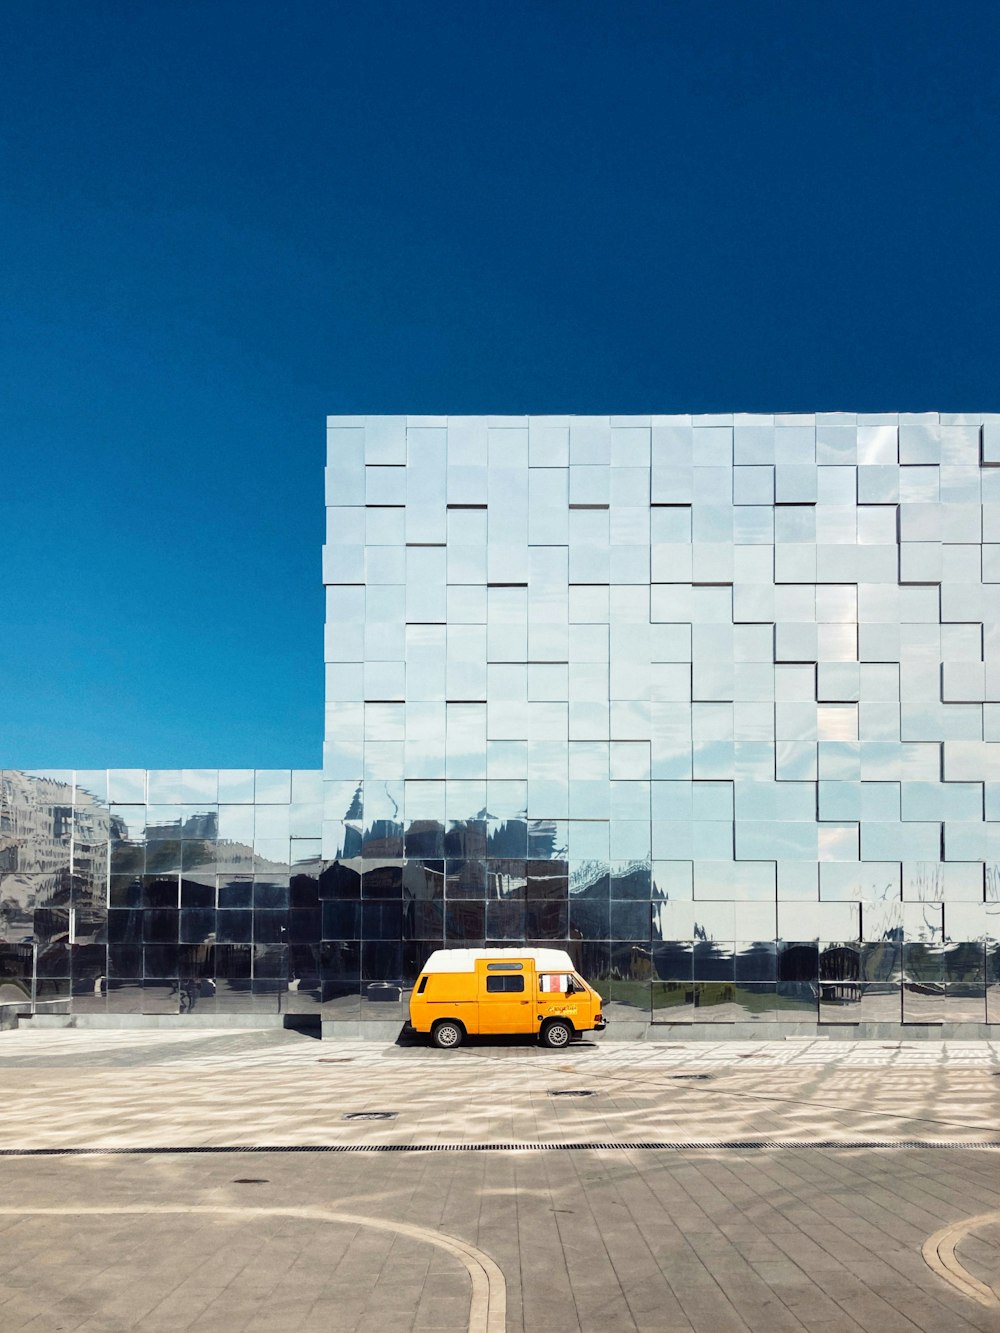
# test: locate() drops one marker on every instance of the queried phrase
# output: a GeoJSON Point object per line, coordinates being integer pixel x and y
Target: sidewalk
{"type": "Point", "coordinates": [492, 1230]}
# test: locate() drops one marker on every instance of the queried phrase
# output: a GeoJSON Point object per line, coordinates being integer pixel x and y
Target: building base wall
{"type": "Point", "coordinates": [137, 1022]}
{"type": "Point", "coordinates": [346, 1030]}
{"type": "Point", "coordinates": [694, 1032]}
{"type": "Point", "coordinates": [11, 1014]}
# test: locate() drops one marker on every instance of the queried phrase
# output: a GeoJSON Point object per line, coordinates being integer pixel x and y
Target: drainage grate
{"type": "Point", "coordinates": [251, 1180]}
{"type": "Point", "coordinates": [690, 1076]}
{"type": "Point", "coordinates": [683, 1145]}
{"type": "Point", "coordinates": [369, 1115]}
{"type": "Point", "coordinates": [572, 1092]}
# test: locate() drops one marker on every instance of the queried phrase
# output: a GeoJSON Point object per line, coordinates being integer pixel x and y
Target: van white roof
{"type": "Point", "coordinates": [464, 960]}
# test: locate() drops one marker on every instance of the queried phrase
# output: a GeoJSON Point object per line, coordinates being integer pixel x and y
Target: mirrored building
{"type": "Point", "coordinates": [711, 702]}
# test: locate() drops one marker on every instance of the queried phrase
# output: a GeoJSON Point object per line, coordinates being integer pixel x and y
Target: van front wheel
{"type": "Point", "coordinates": [557, 1034]}
{"type": "Point", "coordinates": [447, 1034]}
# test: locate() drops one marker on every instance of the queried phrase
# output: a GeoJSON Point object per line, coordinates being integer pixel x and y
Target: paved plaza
{"type": "Point", "coordinates": [166, 1180]}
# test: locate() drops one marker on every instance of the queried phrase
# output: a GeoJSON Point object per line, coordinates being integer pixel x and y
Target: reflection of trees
{"type": "Point", "coordinates": [10, 913]}
{"type": "Point", "coordinates": [934, 964]}
{"type": "Point", "coordinates": [840, 962]}
{"type": "Point", "coordinates": [926, 881]}
{"type": "Point", "coordinates": [509, 839]}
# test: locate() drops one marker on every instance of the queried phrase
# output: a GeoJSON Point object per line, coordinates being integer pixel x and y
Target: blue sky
{"type": "Point", "coordinates": [221, 220]}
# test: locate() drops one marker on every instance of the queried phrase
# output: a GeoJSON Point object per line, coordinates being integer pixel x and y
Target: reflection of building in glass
{"type": "Point", "coordinates": [162, 892]}
{"type": "Point", "coordinates": [36, 830]}
{"type": "Point", "coordinates": [709, 702]}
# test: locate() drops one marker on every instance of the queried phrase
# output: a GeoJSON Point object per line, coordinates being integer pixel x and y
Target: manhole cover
{"type": "Point", "coordinates": [572, 1092]}
{"type": "Point", "coordinates": [370, 1115]}
{"type": "Point", "coordinates": [691, 1076]}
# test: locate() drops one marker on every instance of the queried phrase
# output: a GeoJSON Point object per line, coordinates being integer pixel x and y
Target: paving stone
{"type": "Point", "coordinates": [707, 1240]}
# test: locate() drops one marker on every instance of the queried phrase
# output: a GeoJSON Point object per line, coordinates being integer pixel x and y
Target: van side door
{"type": "Point", "coordinates": [505, 997]}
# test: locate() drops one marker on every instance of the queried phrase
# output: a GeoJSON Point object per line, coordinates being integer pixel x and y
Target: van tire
{"type": "Point", "coordinates": [557, 1034]}
{"type": "Point", "coordinates": [447, 1034]}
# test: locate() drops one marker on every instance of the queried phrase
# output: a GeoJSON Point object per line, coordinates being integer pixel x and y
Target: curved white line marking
{"type": "Point", "coordinates": [487, 1310]}
{"type": "Point", "coordinates": [939, 1255]}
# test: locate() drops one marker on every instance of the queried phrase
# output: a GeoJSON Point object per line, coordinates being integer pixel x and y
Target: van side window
{"type": "Point", "coordinates": [507, 983]}
{"type": "Point", "coordinates": [423, 986]}
{"type": "Point", "coordinates": [504, 967]}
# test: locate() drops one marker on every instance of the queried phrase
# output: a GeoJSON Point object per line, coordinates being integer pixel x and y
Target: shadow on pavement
{"type": "Point", "coordinates": [306, 1025]}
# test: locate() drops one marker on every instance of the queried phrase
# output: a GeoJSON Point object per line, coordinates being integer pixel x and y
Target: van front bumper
{"type": "Point", "coordinates": [600, 1023]}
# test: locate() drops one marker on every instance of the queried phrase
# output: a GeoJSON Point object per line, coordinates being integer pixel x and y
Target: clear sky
{"type": "Point", "coordinates": [222, 219]}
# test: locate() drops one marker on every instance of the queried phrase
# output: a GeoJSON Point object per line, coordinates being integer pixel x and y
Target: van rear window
{"type": "Point", "coordinates": [494, 984]}
{"type": "Point", "coordinates": [504, 967]}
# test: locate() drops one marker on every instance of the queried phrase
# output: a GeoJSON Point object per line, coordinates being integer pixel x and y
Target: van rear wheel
{"type": "Point", "coordinates": [447, 1034]}
{"type": "Point", "coordinates": [557, 1034]}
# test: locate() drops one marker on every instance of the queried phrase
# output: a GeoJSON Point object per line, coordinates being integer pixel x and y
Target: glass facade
{"type": "Point", "coordinates": [707, 701]}
{"type": "Point", "coordinates": [710, 702]}
{"type": "Point", "coordinates": [134, 892]}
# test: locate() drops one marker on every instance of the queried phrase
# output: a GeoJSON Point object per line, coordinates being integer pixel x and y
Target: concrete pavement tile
{"type": "Point", "coordinates": [405, 1277]}
{"type": "Point", "coordinates": [601, 1303]}
{"type": "Point", "coordinates": [292, 1322]}
{"type": "Point", "coordinates": [837, 1244]}
{"type": "Point", "coordinates": [454, 1285]}
{"type": "Point", "coordinates": [344, 1319]}
{"type": "Point", "coordinates": [877, 1316]}
{"type": "Point", "coordinates": [781, 1272]}
{"type": "Point", "coordinates": [652, 1296]}
{"type": "Point", "coordinates": [441, 1312]}
{"type": "Point", "coordinates": [44, 1324]}
{"type": "Point", "coordinates": [763, 1316]}
{"type": "Point", "coordinates": [163, 1322]}
{"type": "Point", "coordinates": [376, 1325]}
{"type": "Point", "coordinates": [841, 1323]}
{"type": "Point", "coordinates": [811, 1306]}
{"type": "Point", "coordinates": [553, 1316]}
{"type": "Point", "coordinates": [714, 1317]}
{"type": "Point", "coordinates": [760, 1250]}
{"type": "Point", "coordinates": [931, 1317]}
{"type": "Point", "coordinates": [102, 1325]}
{"type": "Point", "coordinates": [882, 1278]}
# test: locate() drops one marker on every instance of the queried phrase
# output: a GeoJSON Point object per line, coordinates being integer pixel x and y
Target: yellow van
{"type": "Point", "coordinates": [464, 992]}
